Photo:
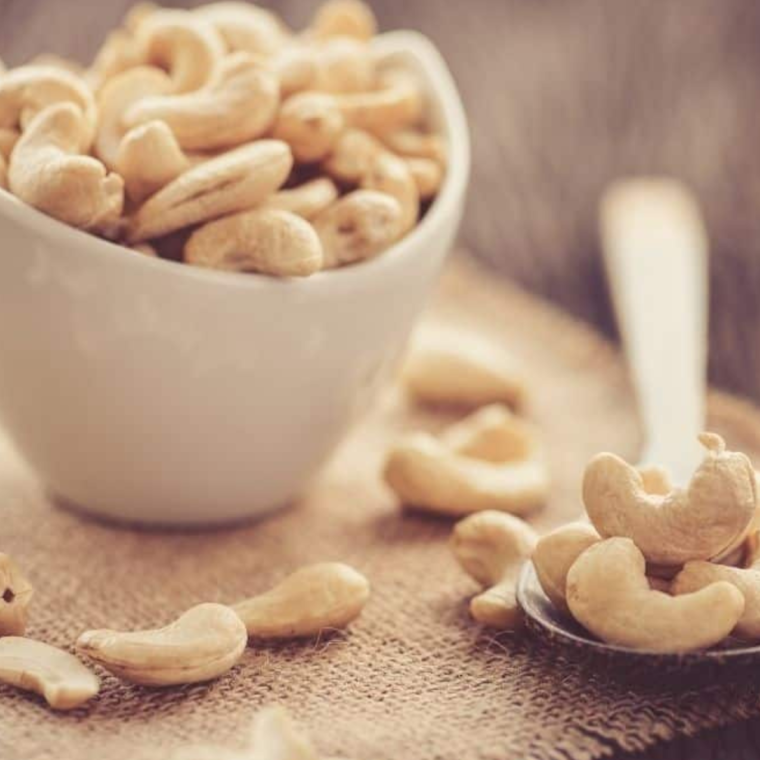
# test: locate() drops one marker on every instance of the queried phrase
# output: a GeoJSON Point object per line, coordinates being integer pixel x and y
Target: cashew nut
{"type": "Point", "coordinates": [415, 144]}
{"type": "Point", "coordinates": [245, 27]}
{"type": "Point", "coordinates": [310, 122]}
{"type": "Point", "coordinates": [52, 673]}
{"type": "Point", "coordinates": [306, 200]}
{"type": "Point", "coordinates": [201, 644]}
{"type": "Point", "coordinates": [492, 548]}
{"type": "Point", "coordinates": [455, 367]}
{"type": "Point", "coordinates": [148, 158]}
{"type": "Point", "coordinates": [390, 174]}
{"type": "Point", "coordinates": [327, 595]}
{"type": "Point", "coordinates": [237, 104]}
{"type": "Point", "coordinates": [274, 736]}
{"type": "Point", "coordinates": [427, 175]}
{"type": "Point", "coordinates": [394, 106]}
{"type": "Point", "coordinates": [698, 574]}
{"type": "Point", "coordinates": [115, 98]}
{"type": "Point", "coordinates": [344, 18]}
{"type": "Point", "coordinates": [352, 156]}
{"type": "Point", "coordinates": [269, 241]}
{"type": "Point", "coordinates": [699, 522]}
{"type": "Point", "coordinates": [234, 181]}
{"type": "Point", "coordinates": [119, 52]}
{"type": "Point", "coordinates": [296, 68]}
{"type": "Point", "coordinates": [27, 90]}
{"type": "Point", "coordinates": [15, 594]}
{"type": "Point", "coordinates": [344, 64]}
{"type": "Point", "coordinates": [358, 226]}
{"type": "Point", "coordinates": [430, 474]}
{"type": "Point", "coordinates": [183, 44]}
{"type": "Point", "coordinates": [138, 14]}
{"type": "Point", "coordinates": [47, 171]}
{"type": "Point", "coordinates": [608, 593]}
{"type": "Point", "coordinates": [555, 554]}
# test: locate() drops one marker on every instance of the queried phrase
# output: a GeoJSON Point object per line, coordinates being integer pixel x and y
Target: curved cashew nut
{"type": "Point", "coordinates": [390, 174]}
{"type": "Point", "coordinates": [608, 593]}
{"type": "Point", "coordinates": [149, 158]}
{"type": "Point", "coordinates": [358, 226]}
{"type": "Point", "coordinates": [415, 144]}
{"type": "Point", "coordinates": [306, 200]}
{"type": "Point", "coordinates": [395, 106]}
{"type": "Point", "coordinates": [120, 52]}
{"type": "Point", "coordinates": [238, 104]}
{"type": "Point", "coordinates": [52, 673]}
{"type": "Point", "coordinates": [115, 98]}
{"type": "Point", "coordinates": [697, 523]}
{"type": "Point", "coordinates": [245, 27]}
{"type": "Point", "coordinates": [234, 181]}
{"type": "Point", "coordinates": [183, 44]}
{"type": "Point", "coordinates": [15, 595]}
{"type": "Point", "coordinates": [430, 474]}
{"type": "Point", "coordinates": [344, 64]}
{"type": "Point", "coordinates": [492, 548]}
{"type": "Point", "coordinates": [201, 644]}
{"type": "Point", "coordinates": [296, 68]}
{"type": "Point", "coordinates": [352, 156]}
{"type": "Point", "coordinates": [310, 122]}
{"type": "Point", "coordinates": [27, 90]}
{"type": "Point", "coordinates": [696, 575]}
{"type": "Point", "coordinates": [555, 554]}
{"type": "Point", "coordinates": [427, 175]}
{"type": "Point", "coordinates": [47, 171]}
{"type": "Point", "coordinates": [454, 367]}
{"type": "Point", "coordinates": [268, 241]}
{"type": "Point", "coordinates": [327, 595]}
{"type": "Point", "coordinates": [344, 18]}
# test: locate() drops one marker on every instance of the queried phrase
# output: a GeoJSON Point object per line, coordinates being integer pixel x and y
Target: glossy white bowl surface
{"type": "Point", "coordinates": [149, 391]}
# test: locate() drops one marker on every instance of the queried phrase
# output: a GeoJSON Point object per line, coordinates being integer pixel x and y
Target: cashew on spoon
{"type": "Point", "coordinates": [203, 643]}
{"type": "Point", "coordinates": [609, 594]}
{"type": "Point", "coordinates": [489, 460]}
{"type": "Point", "coordinates": [492, 548]}
{"type": "Point", "coordinates": [48, 171]}
{"type": "Point", "coordinates": [699, 522]}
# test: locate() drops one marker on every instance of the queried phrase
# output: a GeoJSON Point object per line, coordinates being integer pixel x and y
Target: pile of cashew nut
{"type": "Point", "coordinates": [222, 133]}
{"type": "Point", "coordinates": [203, 643]}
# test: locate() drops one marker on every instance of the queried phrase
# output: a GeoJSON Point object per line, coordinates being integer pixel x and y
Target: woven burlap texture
{"type": "Point", "coordinates": [413, 677]}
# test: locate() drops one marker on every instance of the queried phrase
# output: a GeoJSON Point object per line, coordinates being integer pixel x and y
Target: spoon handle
{"type": "Point", "coordinates": [656, 251]}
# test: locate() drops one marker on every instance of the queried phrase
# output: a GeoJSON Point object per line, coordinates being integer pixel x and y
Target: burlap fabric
{"type": "Point", "coordinates": [414, 677]}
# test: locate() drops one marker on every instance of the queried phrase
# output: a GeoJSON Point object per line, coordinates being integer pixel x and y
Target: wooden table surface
{"type": "Point", "coordinates": [564, 96]}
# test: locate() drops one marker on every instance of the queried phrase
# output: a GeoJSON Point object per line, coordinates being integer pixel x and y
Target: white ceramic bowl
{"type": "Point", "coordinates": [149, 391]}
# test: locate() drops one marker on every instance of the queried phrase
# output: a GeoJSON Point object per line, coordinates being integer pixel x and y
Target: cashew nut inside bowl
{"type": "Point", "coordinates": [490, 460]}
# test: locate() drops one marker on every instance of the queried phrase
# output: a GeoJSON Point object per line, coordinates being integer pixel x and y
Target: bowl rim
{"type": "Point", "coordinates": [442, 90]}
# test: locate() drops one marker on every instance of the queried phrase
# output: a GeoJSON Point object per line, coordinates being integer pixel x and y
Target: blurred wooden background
{"type": "Point", "coordinates": [562, 97]}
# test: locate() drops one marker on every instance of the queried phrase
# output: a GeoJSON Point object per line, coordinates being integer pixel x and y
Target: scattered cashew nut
{"type": "Point", "coordinates": [234, 181]}
{"type": "Point", "coordinates": [15, 595]}
{"type": "Point", "coordinates": [47, 171]}
{"type": "Point", "coordinates": [358, 226]}
{"type": "Point", "coordinates": [201, 644]}
{"type": "Point", "coordinates": [268, 241]}
{"type": "Point", "coordinates": [699, 522]}
{"type": "Point", "coordinates": [238, 104]}
{"type": "Point", "coordinates": [492, 548]}
{"type": "Point", "coordinates": [53, 673]}
{"type": "Point", "coordinates": [149, 158]}
{"type": "Point", "coordinates": [316, 598]}
{"type": "Point", "coordinates": [430, 474]}
{"type": "Point", "coordinates": [608, 593]}
{"type": "Point", "coordinates": [455, 367]}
